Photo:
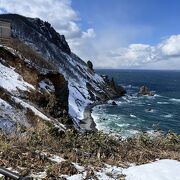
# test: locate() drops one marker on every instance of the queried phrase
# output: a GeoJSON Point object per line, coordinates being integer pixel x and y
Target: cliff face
{"type": "Point", "coordinates": [27, 95]}
{"type": "Point", "coordinates": [48, 52]}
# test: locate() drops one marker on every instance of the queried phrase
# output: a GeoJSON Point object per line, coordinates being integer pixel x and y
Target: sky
{"type": "Point", "coordinates": [139, 34]}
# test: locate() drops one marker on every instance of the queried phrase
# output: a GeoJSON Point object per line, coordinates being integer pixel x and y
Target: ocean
{"type": "Point", "coordinates": [135, 113]}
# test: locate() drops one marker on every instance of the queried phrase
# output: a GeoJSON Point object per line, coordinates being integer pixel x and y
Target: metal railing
{"type": "Point", "coordinates": [8, 175]}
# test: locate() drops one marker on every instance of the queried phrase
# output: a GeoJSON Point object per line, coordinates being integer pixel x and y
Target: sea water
{"type": "Point", "coordinates": [135, 113]}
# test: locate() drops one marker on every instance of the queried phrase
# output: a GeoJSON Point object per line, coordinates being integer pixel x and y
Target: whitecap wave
{"type": "Point", "coordinates": [131, 132]}
{"type": "Point", "coordinates": [162, 103]}
{"type": "Point", "coordinates": [153, 133]}
{"type": "Point", "coordinates": [126, 99]}
{"type": "Point", "coordinates": [132, 115]}
{"type": "Point", "coordinates": [94, 116]}
{"type": "Point", "coordinates": [122, 125]}
{"type": "Point", "coordinates": [157, 95]}
{"type": "Point", "coordinates": [129, 86]}
{"type": "Point", "coordinates": [119, 102]}
{"type": "Point", "coordinates": [175, 100]}
{"type": "Point", "coordinates": [168, 115]}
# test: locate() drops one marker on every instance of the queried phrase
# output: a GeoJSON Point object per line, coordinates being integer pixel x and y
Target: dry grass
{"type": "Point", "coordinates": [94, 148]}
{"type": "Point", "coordinates": [65, 167]}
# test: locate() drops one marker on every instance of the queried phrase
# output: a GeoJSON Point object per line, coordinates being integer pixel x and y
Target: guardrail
{"type": "Point", "coordinates": [11, 175]}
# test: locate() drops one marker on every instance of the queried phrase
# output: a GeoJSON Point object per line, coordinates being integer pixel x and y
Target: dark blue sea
{"type": "Point", "coordinates": [134, 113]}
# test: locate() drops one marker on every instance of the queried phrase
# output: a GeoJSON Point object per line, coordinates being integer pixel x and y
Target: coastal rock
{"type": "Point", "coordinates": [118, 89]}
{"type": "Point", "coordinates": [114, 103]}
{"type": "Point", "coordinates": [144, 91]}
{"type": "Point", "coordinates": [121, 91]}
{"type": "Point", "coordinates": [90, 65]}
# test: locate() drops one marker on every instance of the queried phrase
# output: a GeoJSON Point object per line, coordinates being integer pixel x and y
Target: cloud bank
{"type": "Point", "coordinates": [138, 55]}
{"type": "Point", "coordinates": [106, 49]}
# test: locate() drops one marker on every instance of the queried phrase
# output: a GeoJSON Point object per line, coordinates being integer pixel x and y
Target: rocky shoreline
{"type": "Point", "coordinates": [88, 123]}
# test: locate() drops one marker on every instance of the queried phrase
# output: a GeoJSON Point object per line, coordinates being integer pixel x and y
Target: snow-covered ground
{"type": "Point", "coordinates": [46, 85]}
{"type": "Point", "coordinates": [160, 170]}
{"type": "Point", "coordinates": [165, 169]}
{"type": "Point", "coordinates": [12, 81]}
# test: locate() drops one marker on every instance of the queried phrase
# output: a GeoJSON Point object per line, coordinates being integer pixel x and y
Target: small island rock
{"type": "Point", "coordinates": [144, 91]}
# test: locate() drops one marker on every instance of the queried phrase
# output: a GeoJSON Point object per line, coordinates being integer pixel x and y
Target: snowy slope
{"type": "Point", "coordinates": [15, 94]}
{"type": "Point", "coordinates": [12, 81]}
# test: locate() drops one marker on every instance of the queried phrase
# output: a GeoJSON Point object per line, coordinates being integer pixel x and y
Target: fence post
{"type": "Point", "coordinates": [9, 174]}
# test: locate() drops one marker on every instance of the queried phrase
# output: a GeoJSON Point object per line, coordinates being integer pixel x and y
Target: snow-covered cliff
{"type": "Point", "coordinates": [84, 85]}
{"type": "Point", "coordinates": [28, 93]}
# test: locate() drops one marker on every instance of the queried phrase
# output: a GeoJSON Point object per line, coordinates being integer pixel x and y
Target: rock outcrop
{"type": "Point", "coordinates": [90, 65]}
{"type": "Point", "coordinates": [114, 103]}
{"type": "Point", "coordinates": [117, 89]}
{"type": "Point", "coordinates": [144, 91]}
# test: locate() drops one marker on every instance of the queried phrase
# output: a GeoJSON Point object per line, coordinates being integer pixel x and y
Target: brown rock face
{"type": "Point", "coordinates": [90, 65]}
{"type": "Point", "coordinates": [59, 97]}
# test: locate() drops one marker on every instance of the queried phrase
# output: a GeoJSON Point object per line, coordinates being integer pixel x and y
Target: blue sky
{"type": "Point", "coordinates": [160, 17]}
{"type": "Point", "coordinates": [140, 34]}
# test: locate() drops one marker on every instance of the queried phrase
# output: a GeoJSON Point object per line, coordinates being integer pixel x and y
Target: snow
{"type": "Point", "coordinates": [4, 104]}
{"type": "Point", "coordinates": [160, 170]}
{"type": "Point", "coordinates": [38, 113]}
{"type": "Point", "coordinates": [165, 169]}
{"type": "Point", "coordinates": [75, 177]}
{"type": "Point", "coordinates": [56, 158]}
{"type": "Point", "coordinates": [11, 115]}
{"type": "Point", "coordinates": [79, 96]}
{"type": "Point", "coordinates": [9, 49]}
{"type": "Point", "coordinates": [47, 85]}
{"type": "Point", "coordinates": [40, 175]}
{"type": "Point", "coordinates": [78, 167]}
{"type": "Point", "coordinates": [12, 81]}
{"type": "Point", "coordinates": [78, 100]}
{"type": "Point", "coordinates": [71, 66]}
{"type": "Point", "coordinates": [28, 106]}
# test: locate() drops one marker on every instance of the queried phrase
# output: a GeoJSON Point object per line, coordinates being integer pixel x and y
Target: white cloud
{"type": "Point", "coordinates": [58, 12]}
{"type": "Point", "coordinates": [107, 48]}
{"type": "Point", "coordinates": [166, 54]}
{"type": "Point", "coordinates": [171, 46]}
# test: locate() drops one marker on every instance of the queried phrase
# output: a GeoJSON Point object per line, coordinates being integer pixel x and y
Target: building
{"type": "Point", "coordinates": [5, 32]}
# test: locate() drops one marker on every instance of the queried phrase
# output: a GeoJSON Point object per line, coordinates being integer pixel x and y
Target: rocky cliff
{"type": "Point", "coordinates": [28, 95]}
{"type": "Point", "coordinates": [51, 77]}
